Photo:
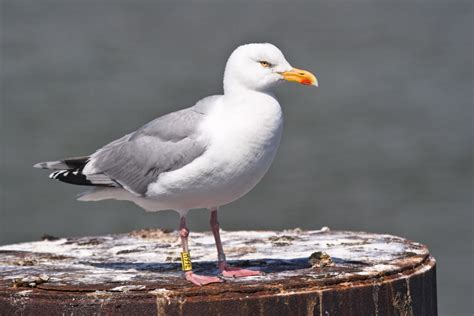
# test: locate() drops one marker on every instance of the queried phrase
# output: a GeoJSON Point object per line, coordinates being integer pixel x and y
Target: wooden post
{"type": "Point", "coordinates": [307, 273]}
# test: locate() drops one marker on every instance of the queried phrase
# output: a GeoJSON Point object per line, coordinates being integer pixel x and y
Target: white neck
{"type": "Point", "coordinates": [232, 86]}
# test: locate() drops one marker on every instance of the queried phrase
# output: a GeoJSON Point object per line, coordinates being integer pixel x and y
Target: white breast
{"type": "Point", "coordinates": [243, 136]}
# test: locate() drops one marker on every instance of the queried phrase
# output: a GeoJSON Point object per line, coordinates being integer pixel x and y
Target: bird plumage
{"type": "Point", "coordinates": [204, 156]}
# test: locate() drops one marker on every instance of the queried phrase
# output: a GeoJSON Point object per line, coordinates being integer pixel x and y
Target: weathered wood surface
{"type": "Point", "coordinates": [139, 274]}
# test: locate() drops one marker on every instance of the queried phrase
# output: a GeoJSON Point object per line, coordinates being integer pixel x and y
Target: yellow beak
{"type": "Point", "coordinates": [301, 76]}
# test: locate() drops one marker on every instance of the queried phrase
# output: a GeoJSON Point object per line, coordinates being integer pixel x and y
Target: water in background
{"type": "Point", "coordinates": [384, 144]}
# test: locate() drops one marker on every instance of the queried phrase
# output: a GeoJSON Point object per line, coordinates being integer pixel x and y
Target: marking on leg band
{"type": "Point", "coordinates": [186, 264]}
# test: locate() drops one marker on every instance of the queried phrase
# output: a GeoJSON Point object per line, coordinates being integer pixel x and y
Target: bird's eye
{"type": "Point", "coordinates": [265, 64]}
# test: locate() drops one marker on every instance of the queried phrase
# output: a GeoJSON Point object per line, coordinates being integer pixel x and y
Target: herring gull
{"type": "Point", "coordinates": [204, 156]}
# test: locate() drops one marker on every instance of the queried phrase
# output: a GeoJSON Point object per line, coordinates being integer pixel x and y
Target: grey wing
{"type": "Point", "coordinates": [137, 159]}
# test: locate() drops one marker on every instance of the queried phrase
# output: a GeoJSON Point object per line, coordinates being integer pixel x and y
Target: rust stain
{"type": "Point", "coordinates": [310, 307]}
{"type": "Point", "coordinates": [402, 303]}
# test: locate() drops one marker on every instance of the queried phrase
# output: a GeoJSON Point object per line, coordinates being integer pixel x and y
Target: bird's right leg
{"type": "Point", "coordinates": [186, 259]}
{"type": "Point", "coordinates": [225, 269]}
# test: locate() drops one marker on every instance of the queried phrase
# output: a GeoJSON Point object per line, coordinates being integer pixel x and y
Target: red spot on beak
{"type": "Point", "coordinates": [306, 81]}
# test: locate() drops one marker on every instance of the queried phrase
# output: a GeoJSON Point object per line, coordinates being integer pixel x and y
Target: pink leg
{"type": "Point", "coordinates": [224, 268]}
{"type": "Point", "coordinates": [190, 275]}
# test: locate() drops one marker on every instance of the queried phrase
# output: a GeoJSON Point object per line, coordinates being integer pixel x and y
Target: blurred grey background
{"type": "Point", "coordinates": [384, 145]}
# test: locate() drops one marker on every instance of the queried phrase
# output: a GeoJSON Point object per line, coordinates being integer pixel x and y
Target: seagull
{"type": "Point", "coordinates": [204, 156]}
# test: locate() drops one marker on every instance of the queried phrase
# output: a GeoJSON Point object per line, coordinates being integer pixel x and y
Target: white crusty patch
{"type": "Point", "coordinates": [153, 254]}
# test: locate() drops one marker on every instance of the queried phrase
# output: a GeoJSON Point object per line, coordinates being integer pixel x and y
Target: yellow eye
{"type": "Point", "coordinates": [265, 64]}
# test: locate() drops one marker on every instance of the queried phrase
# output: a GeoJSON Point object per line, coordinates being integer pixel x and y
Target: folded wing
{"type": "Point", "coordinates": [137, 159]}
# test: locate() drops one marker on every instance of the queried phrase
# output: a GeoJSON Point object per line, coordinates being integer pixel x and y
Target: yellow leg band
{"type": "Point", "coordinates": [186, 264]}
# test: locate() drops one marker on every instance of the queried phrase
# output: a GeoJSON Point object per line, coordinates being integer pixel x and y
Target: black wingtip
{"type": "Point", "coordinates": [78, 178]}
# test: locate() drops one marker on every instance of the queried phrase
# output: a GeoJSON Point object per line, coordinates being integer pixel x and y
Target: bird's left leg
{"type": "Point", "coordinates": [186, 259]}
{"type": "Point", "coordinates": [224, 268]}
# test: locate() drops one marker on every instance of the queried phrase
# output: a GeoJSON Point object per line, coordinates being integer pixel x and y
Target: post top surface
{"type": "Point", "coordinates": [148, 260]}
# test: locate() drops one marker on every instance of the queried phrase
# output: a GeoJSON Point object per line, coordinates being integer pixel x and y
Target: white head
{"type": "Point", "coordinates": [260, 67]}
